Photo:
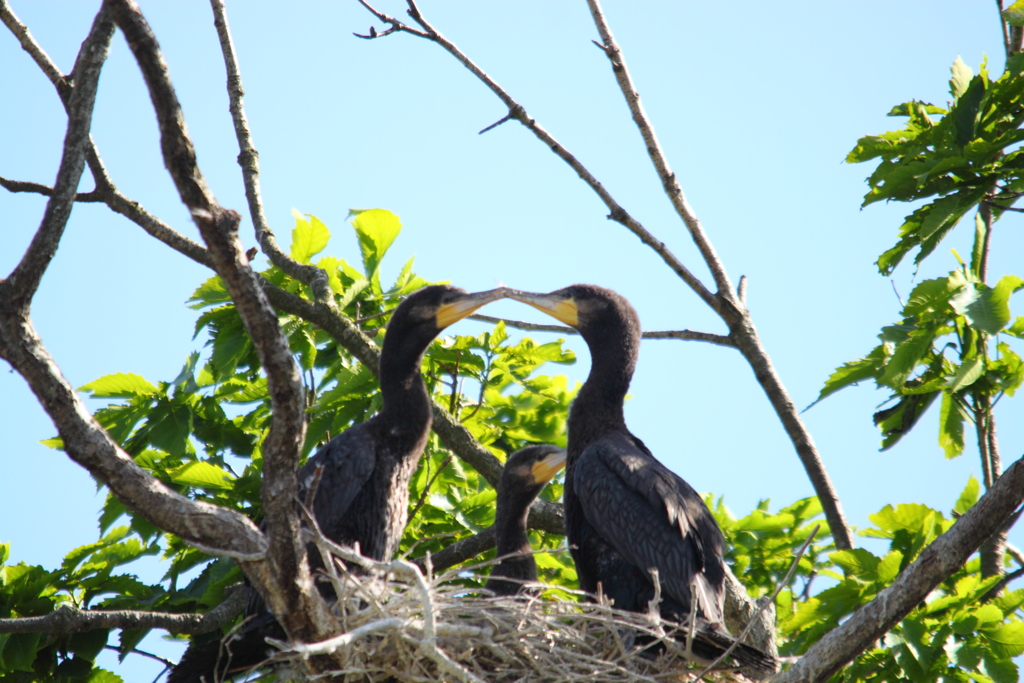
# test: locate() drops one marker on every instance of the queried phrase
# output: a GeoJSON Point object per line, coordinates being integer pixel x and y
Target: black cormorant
{"type": "Point", "coordinates": [363, 494]}
{"type": "Point", "coordinates": [526, 473]}
{"type": "Point", "coordinates": [626, 514]}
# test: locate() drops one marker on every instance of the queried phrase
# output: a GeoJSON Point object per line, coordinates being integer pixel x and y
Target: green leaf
{"type": "Point", "coordinates": [203, 475]}
{"type": "Point", "coordinates": [20, 651]}
{"type": "Point", "coordinates": [951, 426]}
{"type": "Point", "coordinates": [889, 567]}
{"type": "Point", "coordinates": [988, 308]}
{"type": "Point", "coordinates": [88, 644]}
{"type": "Point", "coordinates": [968, 497]}
{"type": "Point", "coordinates": [967, 374]}
{"type": "Point", "coordinates": [1006, 641]}
{"type": "Point", "coordinates": [962, 75]}
{"type": "Point", "coordinates": [855, 371]}
{"type": "Point", "coordinates": [1000, 670]}
{"type": "Point", "coordinates": [857, 562]}
{"type": "Point", "coordinates": [210, 293]}
{"type": "Point", "coordinates": [119, 385]}
{"type": "Point", "coordinates": [1017, 328]}
{"type": "Point", "coordinates": [309, 237]}
{"type": "Point", "coordinates": [103, 676]}
{"type": "Point", "coordinates": [978, 249]}
{"type": "Point", "coordinates": [1014, 14]}
{"type": "Point", "coordinates": [377, 229]}
{"type": "Point", "coordinates": [906, 357]}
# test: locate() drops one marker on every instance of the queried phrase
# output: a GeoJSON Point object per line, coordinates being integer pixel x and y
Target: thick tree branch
{"type": "Point", "coordinates": [743, 334]}
{"type": "Point", "coordinates": [88, 444]}
{"type": "Point", "coordinates": [68, 619]}
{"type": "Point", "coordinates": [295, 602]}
{"type": "Point", "coordinates": [936, 563]}
{"type": "Point", "coordinates": [248, 159]}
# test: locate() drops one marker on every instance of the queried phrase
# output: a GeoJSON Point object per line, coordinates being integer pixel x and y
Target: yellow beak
{"type": "Point", "coordinates": [544, 470]}
{"type": "Point", "coordinates": [457, 310]}
{"type": "Point", "coordinates": [563, 310]}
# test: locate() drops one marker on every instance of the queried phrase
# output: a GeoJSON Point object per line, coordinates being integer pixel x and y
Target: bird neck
{"type": "Point", "coordinates": [406, 402]}
{"type": "Point", "coordinates": [598, 407]}
{"type": "Point", "coordinates": [510, 528]}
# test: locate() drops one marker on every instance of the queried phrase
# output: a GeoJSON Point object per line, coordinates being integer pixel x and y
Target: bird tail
{"type": "Point", "coordinates": [709, 643]}
{"type": "Point", "coordinates": [222, 659]}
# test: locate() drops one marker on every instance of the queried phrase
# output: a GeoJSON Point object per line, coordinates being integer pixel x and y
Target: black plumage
{"type": "Point", "coordinates": [526, 473]}
{"type": "Point", "coordinates": [363, 494]}
{"type": "Point", "coordinates": [626, 514]}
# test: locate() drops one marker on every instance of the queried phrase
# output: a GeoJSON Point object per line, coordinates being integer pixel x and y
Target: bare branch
{"type": "Point", "coordinates": [729, 306]}
{"type": "Point", "coordinates": [248, 159]}
{"type": "Point", "coordinates": [936, 563]}
{"type": "Point", "coordinates": [15, 186]}
{"type": "Point", "coordinates": [21, 285]}
{"type": "Point", "coordinates": [29, 45]}
{"type": "Point", "coordinates": [518, 112]}
{"type": "Point", "coordinates": [68, 619]}
{"type": "Point", "coordinates": [668, 178]}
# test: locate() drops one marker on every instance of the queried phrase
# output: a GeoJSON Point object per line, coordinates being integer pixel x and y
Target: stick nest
{"type": "Point", "coordinates": [399, 624]}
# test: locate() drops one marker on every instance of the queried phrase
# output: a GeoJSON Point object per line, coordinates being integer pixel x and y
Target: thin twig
{"type": "Point", "coordinates": [248, 159]}
{"type": "Point", "coordinates": [38, 188]}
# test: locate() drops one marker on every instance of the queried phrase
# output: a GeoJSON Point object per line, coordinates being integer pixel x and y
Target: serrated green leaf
{"type": "Point", "coordinates": [119, 385]}
{"type": "Point", "coordinates": [1017, 328]}
{"type": "Point", "coordinates": [1000, 670]}
{"type": "Point", "coordinates": [203, 475]}
{"type": "Point", "coordinates": [309, 237]}
{"type": "Point", "coordinates": [962, 75]}
{"type": "Point", "coordinates": [855, 371]}
{"type": "Point", "coordinates": [968, 497]}
{"type": "Point", "coordinates": [967, 374]}
{"type": "Point", "coordinates": [857, 562]}
{"type": "Point", "coordinates": [20, 651]}
{"type": "Point", "coordinates": [88, 644]}
{"type": "Point", "coordinates": [889, 567]}
{"type": "Point", "coordinates": [951, 419]}
{"type": "Point", "coordinates": [906, 357]}
{"type": "Point", "coordinates": [210, 293]}
{"type": "Point", "coordinates": [377, 230]}
{"type": "Point", "coordinates": [99, 675]}
{"type": "Point", "coordinates": [1006, 641]}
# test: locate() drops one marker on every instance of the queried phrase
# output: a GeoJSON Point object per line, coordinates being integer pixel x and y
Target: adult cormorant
{"type": "Point", "coordinates": [363, 494]}
{"type": "Point", "coordinates": [525, 474]}
{"type": "Point", "coordinates": [626, 514]}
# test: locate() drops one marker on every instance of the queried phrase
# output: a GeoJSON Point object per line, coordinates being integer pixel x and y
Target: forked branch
{"type": "Point", "coordinates": [727, 304]}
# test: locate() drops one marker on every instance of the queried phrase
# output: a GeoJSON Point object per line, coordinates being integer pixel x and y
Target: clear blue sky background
{"type": "Point", "coordinates": [756, 105]}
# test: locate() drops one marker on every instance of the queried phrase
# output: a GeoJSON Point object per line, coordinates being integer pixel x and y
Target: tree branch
{"type": "Point", "coordinates": [518, 112]}
{"type": "Point", "coordinates": [15, 186]}
{"type": "Point", "coordinates": [293, 600]}
{"type": "Point", "coordinates": [688, 335]}
{"type": "Point", "coordinates": [668, 179]}
{"type": "Point", "coordinates": [68, 619]}
{"type": "Point", "coordinates": [248, 159]}
{"type": "Point", "coordinates": [935, 564]}
{"type": "Point", "coordinates": [743, 334]}
{"type": "Point", "coordinates": [731, 307]}
{"type": "Point", "coordinates": [20, 286]}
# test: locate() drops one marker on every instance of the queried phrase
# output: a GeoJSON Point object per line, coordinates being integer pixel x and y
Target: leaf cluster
{"type": "Point", "coordinates": [960, 155]}
{"type": "Point", "coordinates": [941, 350]}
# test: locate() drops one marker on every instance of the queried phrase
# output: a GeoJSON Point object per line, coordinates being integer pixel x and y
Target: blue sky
{"type": "Point", "coordinates": [756, 105]}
